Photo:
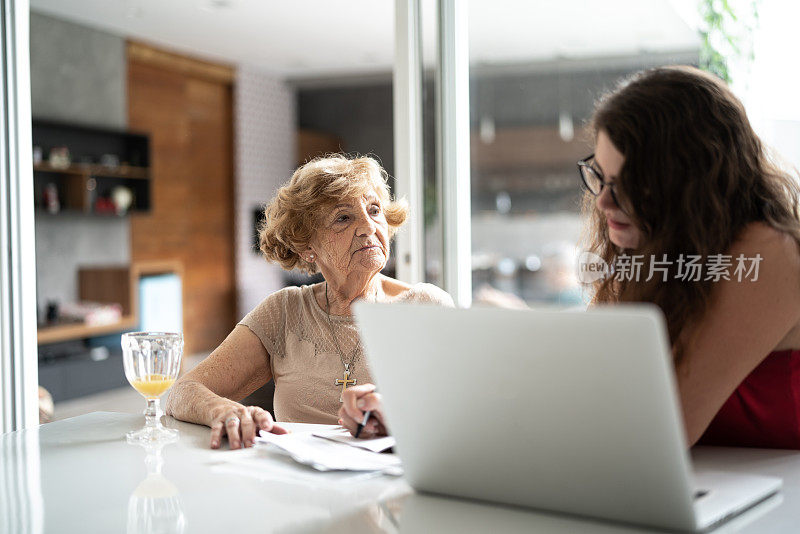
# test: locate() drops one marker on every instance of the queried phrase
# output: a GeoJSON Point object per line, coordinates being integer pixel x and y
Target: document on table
{"type": "Point", "coordinates": [342, 435]}
{"type": "Point", "coordinates": [327, 455]}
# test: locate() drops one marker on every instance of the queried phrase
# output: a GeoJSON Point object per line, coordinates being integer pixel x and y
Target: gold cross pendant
{"type": "Point", "coordinates": [347, 381]}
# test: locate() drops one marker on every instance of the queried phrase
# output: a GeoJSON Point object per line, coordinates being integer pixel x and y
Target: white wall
{"type": "Point", "coordinates": [67, 241]}
{"type": "Point", "coordinates": [769, 85]}
{"type": "Point", "coordinates": [265, 138]}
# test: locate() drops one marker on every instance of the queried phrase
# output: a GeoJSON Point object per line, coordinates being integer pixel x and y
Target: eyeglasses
{"type": "Point", "coordinates": [594, 182]}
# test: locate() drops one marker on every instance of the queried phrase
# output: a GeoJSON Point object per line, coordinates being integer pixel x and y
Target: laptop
{"type": "Point", "coordinates": [566, 411]}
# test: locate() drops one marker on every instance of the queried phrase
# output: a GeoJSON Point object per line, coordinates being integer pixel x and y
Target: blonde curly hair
{"type": "Point", "coordinates": [291, 217]}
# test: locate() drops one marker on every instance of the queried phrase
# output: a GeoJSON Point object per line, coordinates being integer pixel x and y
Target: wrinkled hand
{"type": "Point", "coordinates": [241, 424]}
{"type": "Point", "coordinates": [356, 401]}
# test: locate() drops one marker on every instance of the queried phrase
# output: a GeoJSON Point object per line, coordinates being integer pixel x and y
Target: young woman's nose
{"type": "Point", "coordinates": [604, 200]}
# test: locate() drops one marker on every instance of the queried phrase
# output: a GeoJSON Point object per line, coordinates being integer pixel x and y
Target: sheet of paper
{"type": "Point", "coordinates": [326, 455]}
{"type": "Point", "coordinates": [342, 435]}
{"type": "Point", "coordinates": [307, 427]}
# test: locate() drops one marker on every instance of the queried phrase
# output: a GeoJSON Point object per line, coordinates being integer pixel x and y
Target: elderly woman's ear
{"type": "Point", "coordinates": [309, 255]}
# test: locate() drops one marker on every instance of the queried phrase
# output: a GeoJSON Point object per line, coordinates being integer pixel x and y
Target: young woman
{"type": "Point", "coordinates": [678, 174]}
{"type": "Point", "coordinates": [680, 184]}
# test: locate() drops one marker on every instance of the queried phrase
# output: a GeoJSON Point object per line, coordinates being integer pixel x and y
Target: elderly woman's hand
{"type": "Point", "coordinates": [241, 424]}
{"type": "Point", "coordinates": [356, 401]}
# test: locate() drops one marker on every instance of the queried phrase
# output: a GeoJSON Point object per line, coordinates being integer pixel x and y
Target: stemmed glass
{"type": "Point", "coordinates": [152, 361]}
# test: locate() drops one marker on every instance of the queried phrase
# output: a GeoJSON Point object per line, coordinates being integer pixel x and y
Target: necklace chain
{"type": "Point", "coordinates": [348, 366]}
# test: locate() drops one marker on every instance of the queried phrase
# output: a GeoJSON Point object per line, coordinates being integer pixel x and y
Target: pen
{"type": "Point", "coordinates": [362, 423]}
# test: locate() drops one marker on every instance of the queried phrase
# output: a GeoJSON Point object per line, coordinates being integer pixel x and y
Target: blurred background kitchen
{"type": "Point", "coordinates": [160, 129]}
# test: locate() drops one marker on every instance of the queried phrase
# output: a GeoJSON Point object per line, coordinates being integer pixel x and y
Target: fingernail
{"type": "Point", "coordinates": [361, 403]}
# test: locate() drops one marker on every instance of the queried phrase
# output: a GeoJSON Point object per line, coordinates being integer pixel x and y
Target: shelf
{"type": "Point", "coordinates": [73, 211]}
{"type": "Point", "coordinates": [122, 171]}
{"type": "Point", "coordinates": [80, 186]}
{"type": "Point", "coordinates": [66, 332]}
{"type": "Point", "coordinates": [85, 186]}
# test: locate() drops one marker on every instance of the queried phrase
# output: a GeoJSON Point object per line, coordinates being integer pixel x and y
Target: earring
{"type": "Point", "coordinates": [311, 258]}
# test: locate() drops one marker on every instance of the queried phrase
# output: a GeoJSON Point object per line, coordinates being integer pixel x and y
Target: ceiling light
{"type": "Point", "coordinates": [566, 129]}
{"type": "Point", "coordinates": [487, 130]}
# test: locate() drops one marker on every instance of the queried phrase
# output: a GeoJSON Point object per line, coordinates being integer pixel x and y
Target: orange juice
{"type": "Point", "coordinates": [152, 386]}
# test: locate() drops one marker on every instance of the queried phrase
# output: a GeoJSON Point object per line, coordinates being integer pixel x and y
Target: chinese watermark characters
{"type": "Point", "coordinates": [686, 267]}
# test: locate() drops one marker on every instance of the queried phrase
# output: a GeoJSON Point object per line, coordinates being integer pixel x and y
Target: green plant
{"type": "Point", "coordinates": [725, 35]}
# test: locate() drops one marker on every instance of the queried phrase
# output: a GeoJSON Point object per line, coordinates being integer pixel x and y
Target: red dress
{"type": "Point", "coordinates": [764, 411]}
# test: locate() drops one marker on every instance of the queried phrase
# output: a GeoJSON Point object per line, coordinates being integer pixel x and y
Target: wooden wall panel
{"type": "Point", "coordinates": [189, 119]}
{"type": "Point", "coordinates": [313, 143]}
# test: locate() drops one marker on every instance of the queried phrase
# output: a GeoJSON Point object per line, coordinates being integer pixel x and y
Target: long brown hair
{"type": "Point", "coordinates": [695, 175]}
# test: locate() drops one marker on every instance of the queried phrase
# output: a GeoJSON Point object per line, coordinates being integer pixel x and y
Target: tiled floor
{"type": "Point", "coordinates": [125, 400]}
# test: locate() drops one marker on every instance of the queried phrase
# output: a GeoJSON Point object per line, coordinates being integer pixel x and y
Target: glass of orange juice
{"type": "Point", "coordinates": [152, 361]}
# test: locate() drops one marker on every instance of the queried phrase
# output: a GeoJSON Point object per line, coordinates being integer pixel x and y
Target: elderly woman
{"type": "Point", "coordinates": [335, 216]}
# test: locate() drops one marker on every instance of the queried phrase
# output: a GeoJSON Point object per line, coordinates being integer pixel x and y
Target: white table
{"type": "Point", "coordinates": [79, 475]}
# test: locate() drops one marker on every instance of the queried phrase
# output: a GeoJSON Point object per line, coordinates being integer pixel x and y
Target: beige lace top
{"type": "Point", "coordinates": [303, 356]}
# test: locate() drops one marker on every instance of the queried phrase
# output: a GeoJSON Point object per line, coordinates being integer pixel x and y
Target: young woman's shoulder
{"type": "Point", "coordinates": [773, 245]}
{"type": "Point", "coordinates": [774, 257]}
